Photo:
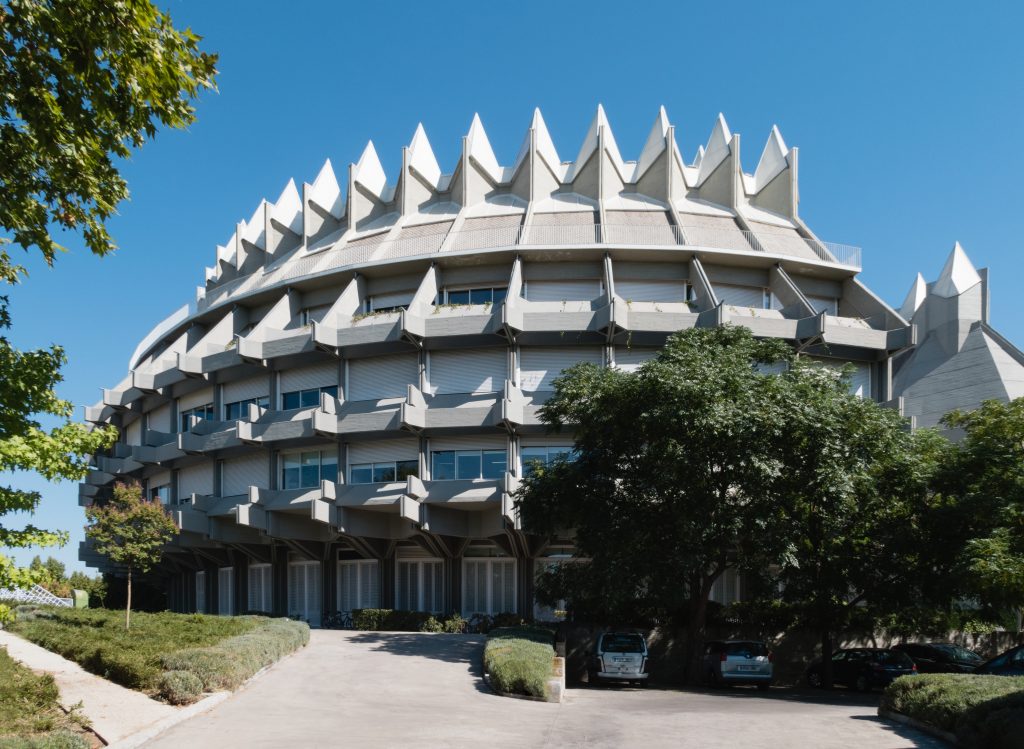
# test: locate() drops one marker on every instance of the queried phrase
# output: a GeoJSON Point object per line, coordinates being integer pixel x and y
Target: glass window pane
{"type": "Point", "coordinates": [458, 297]}
{"type": "Point", "coordinates": [499, 295]}
{"type": "Point", "coordinates": [231, 412]}
{"type": "Point", "coordinates": [532, 457]}
{"type": "Point", "coordinates": [291, 478]}
{"type": "Point", "coordinates": [290, 401]}
{"type": "Point", "coordinates": [362, 473]}
{"type": "Point", "coordinates": [310, 475]}
{"type": "Point", "coordinates": [480, 296]}
{"type": "Point", "coordinates": [468, 464]}
{"type": "Point", "coordinates": [329, 468]}
{"type": "Point", "coordinates": [331, 390]}
{"type": "Point", "coordinates": [383, 473]}
{"type": "Point", "coordinates": [309, 398]}
{"type": "Point", "coordinates": [554, 453]}
{"type": "Point", "coordinates": [406, 468]}
{"type": "Point", "coordinates": [494, 464]}
{"type": "Point", "coordinates": [263, 401]}
{"type": "Point", "coordinates": [443, 467]}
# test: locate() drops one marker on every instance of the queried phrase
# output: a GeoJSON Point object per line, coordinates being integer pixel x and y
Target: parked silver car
{"type": "Point", "coordinates": [738, 662]}
{"type": "Point", "coordinates": [618, 656]}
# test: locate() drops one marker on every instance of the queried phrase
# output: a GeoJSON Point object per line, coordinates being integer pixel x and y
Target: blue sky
{"type": "Point", "coordinates": [908, 117]}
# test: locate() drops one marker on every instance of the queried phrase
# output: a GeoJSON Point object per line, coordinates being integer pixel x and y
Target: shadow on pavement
{"type": "Point", "coordinates": [786, 694]}
{"type": "Point", "coordinates": [466, 649]}
{"type": "Point", "coordinates": [913, 737]}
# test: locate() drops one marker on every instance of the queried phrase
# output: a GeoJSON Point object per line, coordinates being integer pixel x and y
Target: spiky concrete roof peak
{"type": "Point", "coordinates": [655, 144]}
{"type": "Point", "coordinates": [717, 149]}
{"type": "Point", "coordinates": [326, 192]}
{"type": "Point", "coordinates": [915, 297]}
{"type": "Point", "coordinates": [369, 172]}
{"type": "Point", "coordinates": [287, 209]}
{"type": "Point", "coordinates": [957, 276]}
{"type": "Point", "coordinates": [773, 159]}
{"type": "Point", "coordinates": [421, 156]}
{"type": "Point", "coordinates": [478, 145]}
{"type": "Point", "coordinates": [599, 122]}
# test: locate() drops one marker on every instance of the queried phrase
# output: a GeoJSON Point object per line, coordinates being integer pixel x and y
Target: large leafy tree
{"type": "Point", "coordinates": [130, 531]}
{"type": "Point", "coordinates": [673, 477]}
{"type": "Point", "coordinates": [83, 83]}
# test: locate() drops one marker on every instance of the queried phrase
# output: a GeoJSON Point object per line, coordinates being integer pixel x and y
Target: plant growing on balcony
{"type": "Point", "coordinates": [130, 531]}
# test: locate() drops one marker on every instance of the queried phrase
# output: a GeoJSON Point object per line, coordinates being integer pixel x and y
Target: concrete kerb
{"type": "Point", "coordinates": [931, 730]}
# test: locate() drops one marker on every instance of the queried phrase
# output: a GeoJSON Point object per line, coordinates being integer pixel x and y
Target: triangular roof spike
{"type": "Point", "coordinates": [699, 157]}
{"type": "Point", "coordinates": [773, 160]}
{"type": "Point", "coordinates": [717, 149]}
{"type": "Point", "coordinates": [545, 145]}
{"type": "Point", "coordinates": [957, 276]}
{"type": "Point", "coordinates": [915, 297]}
{"type": "Point", "coordinates": [369, 172]}
{"type": "Point", "coordinates": [654, 146]}
{"type": "Point", "coordinates": [479, 147]}
{"type": "Point", "coordinates": [288, 208]}
{"type": "Point", "coordinates": [421, 157]}
{"type": "Point", "coordinates": [590, 141]}
{"type": "Point", "coordinates": [252, 231]}
{"type": "Point", "coordinates": [326, 192]}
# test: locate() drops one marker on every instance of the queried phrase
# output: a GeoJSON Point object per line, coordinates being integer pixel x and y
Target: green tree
{"type": "Point", "coordinates": [84, 84]}
{"type": "Point", "coordinates": [96, 587]}
{"type": "Point", "coordinates": [854, 488]}
{"type": "Point", "coordinates": [673, 478]}
{"type": "Point", "coordinates": [130, 531]}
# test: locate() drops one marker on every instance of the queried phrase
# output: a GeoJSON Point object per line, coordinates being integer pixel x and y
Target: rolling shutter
{"type": "Point", "coordinates": [198, 398]}
{"type": "Point", "coordinates": [253, 387]}
{"type": "Point", "coordinates": [651, 290]}
{"type": "Point", "coordinates": [383, 451]}
{"type": "Point", "coordinates": [860, 378]}
{"type": "Point", "coordinates": [828, 305]}
{"type": "Point", "coordinates": [225, 591]}
{"type": "Point", "coordinates": [307, 378]}
{"type": "Point", "coordinates": [538, 367]}
{"type": "Point", "coordinates": [386, 301]}
{"type": "Point", "coordinates": [133, 434]}
{"type": "Point", "coordinates": [740, 296]}
{"type": "Point", "coordinates": [260, 587]}
{"type": "Point", "coordinates": [196, 479]}
{"type": "Point", "coordinates": [201, 592]}
{"type": "Point", "coordinates": [503, 581]}
{"type": "Point", "coordinates": [469, 371]}
{"type": "Point", "coordinates": [241, 473]}
{"type": "Point", "coordinates": [476, 442]}
{"type": "Point", "coordinates": [488, 586]}
{"type": "Point", "coordinates": [382, 377]}
{"type": "Point", "coordinates": [304, 591]}
{"type": "Point", "coordinates": [630, 359]}
{"type": "Point", "coordinates": [160, 419]}
{"type": "Point", "coordinates": [565, 290]}
{"type": "Point", "coordinates": [358, 585]}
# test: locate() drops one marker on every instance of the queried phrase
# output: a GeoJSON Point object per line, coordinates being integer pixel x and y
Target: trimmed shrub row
{"type": "Point", "coordinates": [230, 662]}
{"type": "Point", "coordinates": [392, 620]}
{"type": "Point", "coordinates": [984, 712]}
{"type": "Point", "coordinates": [518, 659]}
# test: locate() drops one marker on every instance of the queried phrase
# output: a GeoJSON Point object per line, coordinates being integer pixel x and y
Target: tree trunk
{"type": "Point", "coordinates": [128, 608]}
{"type": "Point", "coordinates": [695, 631]}
{"type": "Point", "coordinates": [826, 658]}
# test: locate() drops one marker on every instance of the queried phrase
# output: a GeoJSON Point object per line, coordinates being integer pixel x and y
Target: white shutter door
{"type": "Point", "coordinates": [469, 371]}
{"type": "Point", "coordinates": [224, 591]}
{"type": "Point", "coordinates": [508, 576]}
{"type": "Point", "coordinates": [254, 387]}
{"type": "Point", "coordinates": [382, 377]}
{"type": "Point", "coordinates": [437, 604]}
{"type": "Point", "coordinates": [429, 589]}
{"type": "Point", "coordinates": [369, 585]}
{"type": "Point", "coordinates": [860, 380]}
{"type": "Point", "coordinates": [740, 296]}
{"type": "Point", "coordinates": [160, 419]}
{"type": "Point", "coordinates": [201, 592]}
{"type": "Point", "coordinates": [313, 595]}
{"type": "Point", "coordinates": [197, 398]}
{"type": "Point", "coordinates": [567, 290]}
{"type": "Point", "coordinates": [407, 588]}
{"type": "Point", "coordinates": [296, 589]}
{"type": "Point", "coordinates": [133, 434]}
{"type": "Point", "coordinates": [828, 305]}
{"type": "Point", "coordinates": [345, 586]}
{"type": "Point", "coordinates": [307, 378]}
{"type": "Point", "coordinates": [630, 359]}
{"type": "Point", "coordinates": [197, 479]}
{"type": "Point", "coordinates": [241, 473]}
{"type": "Point", "coordinates": [383, 451]}
{"type": "Point", "coordinates": [538, 367]}
{"type": "Point", "coordinates": [397, 299]}
{"type": "Point", "coordinates": [469, 577]}
{"type": "Point", "coordinates": [651, 290]}
{"type": "Point", "coordinates": [259, 587]}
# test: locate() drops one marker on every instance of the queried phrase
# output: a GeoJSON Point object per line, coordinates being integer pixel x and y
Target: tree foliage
{"type": "Point", "coordinates": [130, 531]}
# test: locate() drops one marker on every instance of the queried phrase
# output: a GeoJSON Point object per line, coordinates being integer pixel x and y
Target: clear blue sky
{"type": "Point", "coordinates": [908, 117]}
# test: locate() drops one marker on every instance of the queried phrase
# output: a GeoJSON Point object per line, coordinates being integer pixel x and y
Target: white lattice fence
{"type": "Point", "coordinates": [36, 594]}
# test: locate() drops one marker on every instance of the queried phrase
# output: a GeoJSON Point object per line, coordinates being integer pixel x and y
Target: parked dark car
{"type": "Point", "coordinates": [864, 668]}
{"type": "Point", "coordinates": [738, 662]}
{"type": "Point", "coordinates": [940, 657]}
{"type": "Point", "coordinates": [1010, 663]}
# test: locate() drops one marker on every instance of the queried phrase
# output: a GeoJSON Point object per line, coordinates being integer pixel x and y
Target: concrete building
{"type": "Point", "coordinates": [340, 417]}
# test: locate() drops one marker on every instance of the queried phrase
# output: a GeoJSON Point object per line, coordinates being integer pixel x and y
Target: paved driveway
{"type": "Point", "coordinates": [371, 689]}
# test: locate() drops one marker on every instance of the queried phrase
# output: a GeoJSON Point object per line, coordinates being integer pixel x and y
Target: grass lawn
{"type": "Point", "coordinates": [29, 714]}
{"type": "Point", "coordinates": [175, 656]}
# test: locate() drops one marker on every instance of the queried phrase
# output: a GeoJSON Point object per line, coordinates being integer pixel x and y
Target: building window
{"type": "Point", "coordinates": [225, 591]}
{"type": "Point", "coordinates": [485, 295]}
{"type": "Point", "coordinates": [420, 586]}
{"type": "Point", "coordinates": [201, 592]}
{"type": "Point", "coordinates": [161, 494]}
{"type": "Point", "coordinates": [306, 398]}
{"type": "Point", "coordinates": [384, 472]}
{"type": "Point", "coordinates": [240, 409]}
{"type": "Point", "coordinates": [358, 585]}
{"type": "Point", "coordinates": [189, 418]}
{"type": "Point", "coordinates": [767, 301]}
{"type": "Point", "coordinates": [260, 588]}
{"type": "Point", "coordinates": [307, 469]}
{"type": "Point", "coordinates": [544, 456]}
{"type": "Point", "coordinates": [488, 586]}
{"type": "Point", "coordinates": [468, 464]}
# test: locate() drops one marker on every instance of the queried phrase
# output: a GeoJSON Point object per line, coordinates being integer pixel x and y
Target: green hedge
{"type": "Point", "coordinates": [518, 660]}
{"type": "Point", "coordinates": [984, 712]}
{"type": "Point", "coordinates": [389, 620]}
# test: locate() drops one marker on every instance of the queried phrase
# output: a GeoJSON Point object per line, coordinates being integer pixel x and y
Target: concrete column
{"type": "Point", "coordinates": [387, 581]}
{"type": "Point", "coordinates": [279, 573]}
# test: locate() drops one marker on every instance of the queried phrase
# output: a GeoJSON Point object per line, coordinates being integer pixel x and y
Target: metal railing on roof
{"type": "Point", "coordinates": [383, 247]}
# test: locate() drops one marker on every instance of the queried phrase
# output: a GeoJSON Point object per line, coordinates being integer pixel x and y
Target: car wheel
{"type": "Point", "coordinates": [863, 684]}
{"type": "Point", "coordinates": [814, 679]}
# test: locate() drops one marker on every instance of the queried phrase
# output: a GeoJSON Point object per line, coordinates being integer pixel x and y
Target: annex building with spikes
{"type": "Point", "coordinates": [340, 418]}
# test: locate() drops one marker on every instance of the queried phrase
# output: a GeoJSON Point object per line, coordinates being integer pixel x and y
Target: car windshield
{"type": "Point", "coordinates": [958, 653]}
{"type": "Point", "coordinates": [749, 649]}
{"type": "Point", "coordinates": [623, 644]}
{"type": "Point", "coordinates": [893, 658]}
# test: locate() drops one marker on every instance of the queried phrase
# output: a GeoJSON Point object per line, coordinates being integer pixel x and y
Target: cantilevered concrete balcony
{"type": "Point", "coordinates": [117, 466]}
{"type": "Point", "coordinates": [208, 436]}
{"type": "Point", "coordinates": [455, 324]}
{"type": "Point", "coordinates": [380, 332]}
{"type": "Point", "coordinates": [451, 412]}
{"type": "Point", "coordinates": [519, 409]}
{"type": "Point", "coordinates": [557, 322]}
{"type": "Point", "coordinates": [157, 447]}
{"type": "Point", "coordinates": [197, 365]}
{"type": "Point", "coordinates": [266, 426]}
{"type": "Point", "coordinates": [358, 418]}
{"type": "Point", "coordinates": [272, 344]}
